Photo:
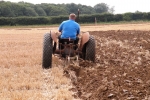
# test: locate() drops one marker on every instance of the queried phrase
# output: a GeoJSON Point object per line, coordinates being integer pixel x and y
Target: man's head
{"type": "Point", "coordinates": [72, 16]}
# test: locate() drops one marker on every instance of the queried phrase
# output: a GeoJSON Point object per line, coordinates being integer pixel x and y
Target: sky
{"type": "Point", "coordinates": [120, 6]}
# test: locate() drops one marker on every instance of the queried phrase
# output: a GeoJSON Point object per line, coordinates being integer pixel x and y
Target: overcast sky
{"type": "Point", "coordinates": [120, 6]}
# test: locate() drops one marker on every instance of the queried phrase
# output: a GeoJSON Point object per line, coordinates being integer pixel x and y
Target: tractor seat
{"type": "Point", "coordinates": [66, 40]}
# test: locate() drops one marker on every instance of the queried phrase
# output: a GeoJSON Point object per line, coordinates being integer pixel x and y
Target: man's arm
{"type": "Point", "coordinates": [78, 31]}
{"type": "Point", "coordinates": [60, 27]}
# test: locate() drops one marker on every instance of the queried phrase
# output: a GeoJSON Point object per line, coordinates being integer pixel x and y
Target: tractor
{"type": "Point", "coordinates": [67, 50]}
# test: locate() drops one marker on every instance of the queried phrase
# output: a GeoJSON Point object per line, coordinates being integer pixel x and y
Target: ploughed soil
{"type": "Point", "coordinates": [121, 70]}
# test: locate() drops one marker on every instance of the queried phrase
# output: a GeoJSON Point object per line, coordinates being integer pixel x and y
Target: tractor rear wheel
{"type": "Point", "coordinates": [47, 51]}
{"type": "Point", "coordinates": [88, 50]}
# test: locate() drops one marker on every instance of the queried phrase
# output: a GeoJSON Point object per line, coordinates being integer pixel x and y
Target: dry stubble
{"type": "Point", "coordinates": [21, 73]}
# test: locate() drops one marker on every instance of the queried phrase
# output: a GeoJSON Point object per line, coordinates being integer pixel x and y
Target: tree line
{"type": "Point", "coordinates": [11, 9]}
{"type": "Point", "coordinates": [23, 13]}
{"type": "Point", "coordinates": [92, 18]}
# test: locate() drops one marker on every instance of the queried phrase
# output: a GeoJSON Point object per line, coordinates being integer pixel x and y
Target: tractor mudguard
{"type": "Point", "coordinates": [54, 36]}
{"type": "Point", "coordinates": [84, 38]}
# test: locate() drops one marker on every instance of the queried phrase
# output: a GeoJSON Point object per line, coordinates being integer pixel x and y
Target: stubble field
{"type": "Point", "coordinates": [121, 71]}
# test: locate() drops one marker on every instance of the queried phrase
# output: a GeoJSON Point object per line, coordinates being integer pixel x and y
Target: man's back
{"type": "Point", "coordinates": [69, 29]}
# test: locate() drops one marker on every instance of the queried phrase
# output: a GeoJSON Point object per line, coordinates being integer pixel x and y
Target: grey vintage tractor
{"type": "Point", "coordinates": [67, 50]}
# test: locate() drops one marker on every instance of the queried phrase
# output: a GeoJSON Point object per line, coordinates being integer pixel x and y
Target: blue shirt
{"type": "Point", "coordinates": [69, 29]}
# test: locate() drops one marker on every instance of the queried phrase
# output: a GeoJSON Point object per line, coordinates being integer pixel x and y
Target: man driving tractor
{"type": "Point", "coordinates": [69, 29]}
{"type": "Point", "coordinates": [66, 44]}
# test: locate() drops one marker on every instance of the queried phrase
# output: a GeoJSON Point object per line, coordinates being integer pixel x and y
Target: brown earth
{"type": "Point", "coordinates": [122, 68]}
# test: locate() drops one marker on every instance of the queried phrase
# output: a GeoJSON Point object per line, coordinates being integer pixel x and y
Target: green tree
{"type": "Point", "coordinates": [40, 11]}
{"type": "Point", "coordinates": [47, 8]}
{"type": "Point", "coordinates": [101, 8]}
{"type": "Point", "coordinates": [28, 11]}
{"type": "Point", "coordinates": [16, 9]}
{"type": "Point", "coordinates": [57, 10]}
{"type": "Point", "coordinates": [86, 9]}
{"type": "Point", "coordinates": [72, 8]}
{"type": "Point", "coordinates": [127, 16]}
{"type": "Point", "coordinates": [9, 9]}
{"type": "Point", "coordinates": [6, 11]}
